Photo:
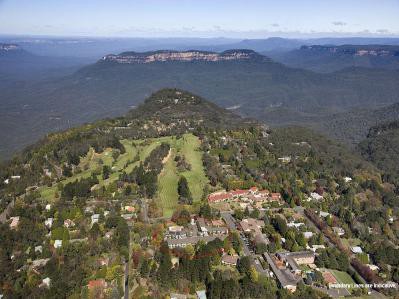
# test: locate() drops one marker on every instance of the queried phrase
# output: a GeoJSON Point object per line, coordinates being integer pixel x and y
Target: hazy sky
{"type": "Point", "coordinates": [202, 18]}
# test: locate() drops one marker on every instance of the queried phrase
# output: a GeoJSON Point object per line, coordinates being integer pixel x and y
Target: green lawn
{"type": "Point", "coordinates": [189, 147]}
{"type": "Point", "coordinates": [88, 165]}
{"type": "Point", "coordinates": [253, 164]}
{"type": "Point", "coordinates": [196, 176]}
{"type": "Point", "coordinates": [167, 186]}
{"type": "Point", "coordinates": [351, 242]}
{"type": "Point", "coordinates": [342, 277]}
{"type": "Point", "coordinates": [91, 163]}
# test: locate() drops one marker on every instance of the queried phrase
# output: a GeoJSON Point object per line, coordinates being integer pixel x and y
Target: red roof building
{"type": "Point", "coordinates": [275, 196]}
{"type": "Point", "coordinates": [239, 192]}
{"type": "Point", "coordinates": [218, 197]}
{"type": "Point", "coordinates": [98, 283]}
{"type": "Point", "coordinates": [253, 189]}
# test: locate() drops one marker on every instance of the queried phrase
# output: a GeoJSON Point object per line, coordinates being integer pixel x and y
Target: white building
{"type": "Point", "coordinates": [46, 282]}
{"type": "Point", "coordinates": [295, 224]}
{"type": "Point", "coordinates": [315, 196]}
{"type": "Point", "coordinates": [315, 247]}
{"type": "Point", "coordinates": [356, 249]}
{"type": "Point", "coordinates": [324, 214]}
{"type": "Point", "coordinates": [57, 243]}
{"type": "Point", "coordinates": [49, 222]}
{"type": "Point", "coordinates": [14, 222]}
{"type": "Point", "coordinates": [95, 218]}
{"type": "Point", "coordinates": [339, 231]}
{"type": "Point", "coordinates": [347, 179]}
{"type": "Point", "coordinates": [308, 235]}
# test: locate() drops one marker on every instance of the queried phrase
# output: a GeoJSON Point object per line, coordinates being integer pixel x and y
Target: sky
{"type": "Point", "coordinates": [200, 18]}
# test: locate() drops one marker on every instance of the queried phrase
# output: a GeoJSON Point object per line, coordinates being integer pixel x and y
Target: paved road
{"type": "Point", "coordinates": [144, 206]}
{"type": "Point", "coordinates": [228, 218]}
{"type": "Point", "coordinates": [127, 263]}
{"type": "Point", "coordinates": [126, 296]}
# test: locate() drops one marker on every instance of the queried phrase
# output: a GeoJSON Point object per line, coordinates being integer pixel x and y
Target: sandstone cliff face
{"type": "Point", "coordinates": [9, 47]}
{"type": "Point", "coordinates": [184, 56]}
{"type": "Point", "coordinates": [356, 50]}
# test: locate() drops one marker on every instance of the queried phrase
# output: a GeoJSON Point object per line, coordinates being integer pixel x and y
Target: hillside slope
{"type": "Point", "coordinates": [381, 147]}
{"type": "Point", "coordinates": [353, 126]}
{"type": "Point", "coordinates": [87, 199]}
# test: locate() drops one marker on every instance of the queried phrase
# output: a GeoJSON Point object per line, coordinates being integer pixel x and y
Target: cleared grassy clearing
{"type": "Point", "coordinates": [93, 162]}
{"type": "Point", "coordinates": [342, 277]}
{"type": "Point", "coordinates": [196, 176]}
{"type": "Point", "coordinates": [167, 186]}
{"type": "Point", "coordinates": [89, 164]}
{"type": "Point", "coordinates": [351, 242]}
{"type": "Point", "coordinates": [187, 146]}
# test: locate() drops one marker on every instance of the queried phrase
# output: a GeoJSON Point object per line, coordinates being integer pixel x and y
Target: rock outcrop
{"type": "Point", "coordinates": [184, 56]}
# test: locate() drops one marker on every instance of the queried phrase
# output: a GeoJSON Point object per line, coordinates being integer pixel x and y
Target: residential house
{"type": "Point", "coordinates": [285, 159]}
{"type": "Point", "coordinates": [46, 282]}
{"type": "Point", "coordinates": [39, 263]}
{"type": "Point", "coordinates": [373, 267]}
{"type": "Point", "coordinates": [201, 294]}
{"type": "Point", "coordinates": [57, 244]}
{"type": "Point", "coordinates": [129, 209]}
{"type": "Point", "coordinates": [175, 243]}
{"type": "Point", "coordinates": [251, 225]}
{"type": "Point", "coordinates": [284, 276]}
{"type": "Point", "coordinates": [177, 296]}
{"type": "Point", "coordinates": [176, 232]}
{"type": "Point", "coordinates": [293, 260]}
{"type": "Point", "coordinates": [295, 224]}
{"type": "Point", "coordinates": [201, 229]}
{"type": "Point", "coordinates": [275, 196]}
{"type": "Point", "coordinates": [49, 222]}
{"type": "Point", "coordinates": [339, 231]}
{"type": "Point", "coordinates": [97, 284]}
{"type": "Point", "coordinates": [104, 261]}
{"type": "Point", "coordinates": [14, 222]}
{"type": "Point", "coordinates": [315, 196]}
{"type": "Point", "coordinates": [347, 179]}
{"type": "Point", "coordinates": [308, 235]}
{"type": "Point", "coordinates": [356, 249]}
{"type": "Point", "coordinates": [128, 216]}
{"type": "Point", "coordinates": [324, 214]}
{"type": "Point", "coordinates": [95, 218]}
{"type": "Point", "coordinates": [69, 223]}
{"type": "Point", "coordinates": [229, 260]}
{"type": "Point", "coordinates": [248, 195]}
{"type": "Point", "coordinates": [314, 248]}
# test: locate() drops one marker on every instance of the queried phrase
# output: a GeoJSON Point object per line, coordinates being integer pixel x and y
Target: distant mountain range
{"type": "Point", "coordinates": [92, 48]}
{"type": "Point", "coordinates": [242, 80]}
{"type": "Point", "coordinates": [333, 58]}
{"type": "Point", "coordinates": [18, 64]}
